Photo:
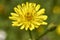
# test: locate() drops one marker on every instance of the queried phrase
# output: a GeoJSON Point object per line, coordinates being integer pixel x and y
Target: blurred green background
{"type": "Point", "coordinates": [13, 33]}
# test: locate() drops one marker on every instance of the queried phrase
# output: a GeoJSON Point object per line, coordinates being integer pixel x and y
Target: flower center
{"type": "Point", "coordinates": [28, 16]}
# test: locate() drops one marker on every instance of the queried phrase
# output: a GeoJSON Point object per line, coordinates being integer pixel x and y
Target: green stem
{"type": "Point", "coordinates": [46, 31]}
{"type": "Point", "coordinates": [30, 34]}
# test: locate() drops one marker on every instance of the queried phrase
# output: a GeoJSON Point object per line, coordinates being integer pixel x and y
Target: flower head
{"type": "Point", "coordinates": [28, 16]}
{"type": "Point", "coordinates": [58, 29]}
{"type": "Point", "coordinates": [56, 10]}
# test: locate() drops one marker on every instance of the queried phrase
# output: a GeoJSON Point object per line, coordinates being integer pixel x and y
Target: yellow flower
{"type": "Point", "coordinates": [28, 16]}
{"type": "Point", "coordinates": [56, 9]}
{"type": "Point", "coordinates": [58, 29]}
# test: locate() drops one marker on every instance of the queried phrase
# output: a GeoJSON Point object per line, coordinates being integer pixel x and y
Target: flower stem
{"type": "Point", "coordinates": [46, 31]}
{"type": "Point", "coordinates": [30, 34]}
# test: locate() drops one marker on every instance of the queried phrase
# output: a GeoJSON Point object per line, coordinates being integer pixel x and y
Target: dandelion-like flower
{"type": "Point", "coordinates": [58, 29]}
{"type": "Point", "coordinates": [28, 16]}
{"type": "Point", "coordinates": [56, 10]}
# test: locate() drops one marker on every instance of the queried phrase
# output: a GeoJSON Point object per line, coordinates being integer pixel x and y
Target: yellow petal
{"type": "Point", "coordinates": [37, 26]}
{"type": "Point", "coordinates": [14, 23]}
{"type": "Point", "coordinates": [21, 10]}
{"type": "Point", "coordinates": [13, 18]}
{"type": "Point", "coordinates": [32, 27]}
{"type": "Point", "coordinates": [14, 14]}
{"type": "Point", "coordinates": [25, 8]}
{"type": "Point", "coordinates": [23, 4]}
{"type": "Point", "coordinates": [37, 7]}
{"type": "Point", "coordinates": [42, 11]}
{"type": "Point", "coordinates": [43, 17]}
{"type": "Point", "coordinates": [22, 27]}
{"type": "Point", "coordinates": [18, 11]}
{"type": "Point", "coordinates": [20, 24]}
{"type": "Point", "coordinates": [30, 5]}
{"type": "Point", "coordinates": [27, 5]}
{"type": "Point", "coordinates": [34, 5]}
{"type": "Point", "coordinates": [36, 23]}
{"type": "Point", "coordinates": [44, 23]}
{"type": "Point", "coordinates": [27, 26]}
{"type": "Point", "coordinates": [19, 7]}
